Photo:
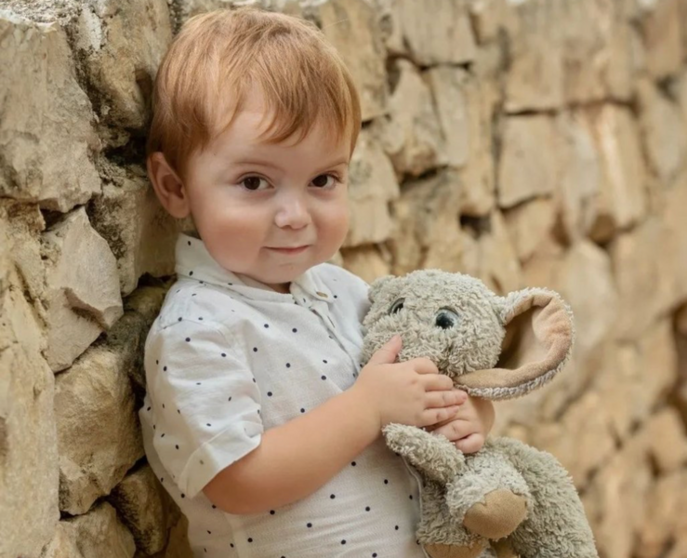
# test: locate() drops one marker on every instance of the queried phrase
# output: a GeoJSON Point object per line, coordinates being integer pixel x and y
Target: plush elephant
{"type": "Point", "coordinates": [508, 500]}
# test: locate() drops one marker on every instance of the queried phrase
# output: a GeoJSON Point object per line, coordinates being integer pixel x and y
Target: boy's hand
{"type": "Point", "coordinates": [411, 393]}
{"type": "Point", "coordinates": [470, 426]}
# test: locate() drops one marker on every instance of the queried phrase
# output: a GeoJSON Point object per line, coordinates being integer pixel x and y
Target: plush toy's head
{"type": "Point", "coordinates": [494, 347]}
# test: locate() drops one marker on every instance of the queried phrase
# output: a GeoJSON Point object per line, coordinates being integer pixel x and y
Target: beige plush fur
{"type": "Point", "coordinates": [508, 500]}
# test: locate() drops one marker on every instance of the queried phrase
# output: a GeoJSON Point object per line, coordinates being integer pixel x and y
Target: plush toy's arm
{"type": "Point", "coordinates": [432, 455]}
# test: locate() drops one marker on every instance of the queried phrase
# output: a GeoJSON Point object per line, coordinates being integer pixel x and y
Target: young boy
{"type": "Point", "coordinates": [258, 418]}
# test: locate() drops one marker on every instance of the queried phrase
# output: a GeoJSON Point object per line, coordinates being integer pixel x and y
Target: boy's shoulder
{"type": "Point", "coordinates": [199, 302]}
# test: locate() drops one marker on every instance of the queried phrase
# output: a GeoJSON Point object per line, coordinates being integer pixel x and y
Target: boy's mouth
{"type": "Point", "coordinates": [289, 251]}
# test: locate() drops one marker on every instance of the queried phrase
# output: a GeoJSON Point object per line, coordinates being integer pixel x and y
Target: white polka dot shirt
{"type": "Point", "coordinates": [228, 358]}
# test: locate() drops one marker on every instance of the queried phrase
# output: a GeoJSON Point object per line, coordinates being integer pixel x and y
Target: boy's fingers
{"type": "Point", "coordinates": [432, 416]}
{"type": "Point", "coordinates": [454, 429]}
{"type": "Point", "coordinates": [471, 444]}
{"type": "Point", "coordinates": [442, 399]}
{"type": "Point", "coordinates": [437, 382]}
{"type": "Point", "coordinates": [423, 366]}
{"type": "Point", "coordinates": [388, 352]}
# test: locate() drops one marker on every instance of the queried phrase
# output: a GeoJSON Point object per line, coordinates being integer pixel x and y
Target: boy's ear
{"type": "Point", "coordinates": [168, 186]}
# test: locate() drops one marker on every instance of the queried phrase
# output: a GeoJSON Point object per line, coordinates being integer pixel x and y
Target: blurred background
{"type": "Point", "coordinates": [526, 142]}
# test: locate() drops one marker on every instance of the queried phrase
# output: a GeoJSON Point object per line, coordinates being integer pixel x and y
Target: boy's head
{"type": "Point", "coordinates": [254, 121]}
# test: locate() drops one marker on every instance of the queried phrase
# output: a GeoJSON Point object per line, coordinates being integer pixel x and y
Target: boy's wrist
{"type": "Point", "coordinates": [362, 405]}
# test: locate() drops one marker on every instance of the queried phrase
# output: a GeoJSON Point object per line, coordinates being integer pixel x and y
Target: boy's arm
{"type": "Point", "coordinates": [295, 459]}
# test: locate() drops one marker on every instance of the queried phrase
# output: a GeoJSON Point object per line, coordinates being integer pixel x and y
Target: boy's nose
{"type": "Point", "coordinates": [293, 213]}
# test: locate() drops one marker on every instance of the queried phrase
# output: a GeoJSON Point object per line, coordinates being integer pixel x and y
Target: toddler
{"type": "Point", "coordinates": [258, 418]}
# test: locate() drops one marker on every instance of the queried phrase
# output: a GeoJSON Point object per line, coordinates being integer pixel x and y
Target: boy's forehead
{"type": "Point", "coordinates": [248, 132]}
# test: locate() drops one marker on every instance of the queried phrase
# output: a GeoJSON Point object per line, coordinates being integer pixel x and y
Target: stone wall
{"type": "Point", "coordinates": [528, 142]}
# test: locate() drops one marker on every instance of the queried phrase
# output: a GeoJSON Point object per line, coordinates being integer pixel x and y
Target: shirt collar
{"type": "Point", "coordinates": [193, 261]}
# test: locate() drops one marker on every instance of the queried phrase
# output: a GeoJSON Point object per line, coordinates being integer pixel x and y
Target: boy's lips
{"type": "Point", "coordinates": [289, 251]}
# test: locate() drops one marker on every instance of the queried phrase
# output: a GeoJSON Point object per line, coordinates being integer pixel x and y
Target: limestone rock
{"type": "Point", "coordinates": [581, 440]}
{"type": "Point", "coordinates": [672, 258]}
{"type": "Point", "coordinates": [28, 444]}
{"type": "Point", "coordinates": [449, 87]}
{"type": "Point", "coordinates": [662, 36]}
{"type": "Point", "coordinates": [497, 260]}
{"type": "Point", "coordinates": [435, 31]}
{"type": "Point", "coordinates": [61, 545]}
{"type": "Point", "coordinates": [372, 185]}
{"type": "Point", "coordinates": [350, 25]}
{"type": "Point", "coordinates": [621, 202]}
{"type": "Point", "coordinates": [482, 94]}
{"type": "Point", "coordinates": [428, 232]}
{"type": "Point", "coordinates": [488, 18]}
{"type": "Point", "coordinates": [523, 173]}
{"type": "Point", "coordinates": [121, 45]}
{"type": "Point", "coordinates": [665, 517]}
{"type": "Point", "coordinates": [638, 279]}
{"type": "Point", "coordinates": [97, 426]}
{"type": "Point", "coordinates": [584, 278]}
{"type": "Point", "coordinates": [46, 138]}
{"type": "Point", "coordinates": [580, 178]}
{"type": "Point", "coordinates": [621, 488]}
{"type": "Point", "coordinates": [412, 135]}
{"type": "Point", "coordinates": [663, 133]}
{"type": "Point", "coordinates": [597, 51]}
{"type": "Point", "coordinates": [140, 233]}
{"type": "Point", "coordinates": [528, 224]}
{"type": "Point", "coordinates": [178, 546]}
{"type": "Point", "coordinates": [97, 534]}
{"type": "Point", "coordinates": [366, 262]}
{"type": "Point", "coordinates": [667, 441]}
{"type": "Point", "coordinates": [145, 508]}
{"type": "Point", "coordinates": [535, 74]}
{"type": "Point", "coordinates": [82, 293]}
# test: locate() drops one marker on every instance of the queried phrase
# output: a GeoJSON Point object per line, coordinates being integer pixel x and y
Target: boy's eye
{"type": "Point", "coordinates": [324, 180]}
{"type": "Point", "coordinates": [253, 183]}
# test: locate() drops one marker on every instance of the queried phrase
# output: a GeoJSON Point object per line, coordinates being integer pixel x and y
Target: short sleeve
{"type": "Point", "coordinates": [205, 400]}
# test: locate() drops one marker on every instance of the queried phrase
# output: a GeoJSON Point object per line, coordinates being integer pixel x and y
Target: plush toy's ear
{"type": "Point", "coordinates": [538, 342]}
{"type": "Point", "coordinates": [377, 285]}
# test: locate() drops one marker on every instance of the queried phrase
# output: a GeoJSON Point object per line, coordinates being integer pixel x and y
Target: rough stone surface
{"type": "Point", "coordinates": [662, 36]}
{"type": "Point", "coordinates": [146, 509]}
{"type": "Point", "coordinates": [28, 443]}
{"type": "Point", "coordinates": [139, 231]}
{"type": "Point", "coordinates": [580, 177]}
{"type": "Point", "coordinates": [621, 202]}
{"type": "Point", "coordinates": [523, 173]}
{"type": "Point", "coordinates": [428, 233]}
{"type": "Point", "coordinates": [47, 141]}
{"type": "Point", "coordinates": [97, 427]}
{"type": "Point", "coordinates": [121, 45]}
{"type": "Point", "coordinates": [412, 135]}
{"type": "Point", "coordinates": [535, 76]}
{"type": "Point", "coordinates": [350, 25]}
{"type": "Point", "coordinates": [82, 295]}
{"type": "Point", "coordinates": [435, 31]}
{"type": "Point", "coordinates": [372, 185]}
{"type": "Point", "coordinates": [97, 534]}
{"type": "Point", "coordinates": [449, 87]}
{"type": "Point", "coordinates": [598, 56]}
{"type": "Point", "coordinates": [663, 131]}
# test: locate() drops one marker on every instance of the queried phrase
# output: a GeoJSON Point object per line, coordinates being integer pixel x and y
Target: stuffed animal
{"type": "Point", "coordinates": [508, 500]}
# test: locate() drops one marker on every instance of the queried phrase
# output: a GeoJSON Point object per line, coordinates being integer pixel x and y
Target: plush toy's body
{"type": "Point", "coordinates": [508, 500]}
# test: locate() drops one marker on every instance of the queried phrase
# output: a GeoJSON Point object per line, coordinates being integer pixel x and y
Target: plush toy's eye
{"type": "Point", "coordinates": [397, 306]}
{"type": "Point", "coordinates": [446, 318]}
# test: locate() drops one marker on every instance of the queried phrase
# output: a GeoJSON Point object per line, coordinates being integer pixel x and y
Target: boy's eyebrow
{"type": "Point", "coordinates": [266, 163]}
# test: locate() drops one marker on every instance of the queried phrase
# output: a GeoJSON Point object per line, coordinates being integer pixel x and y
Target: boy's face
{"type": "Point", "coordinates": [269, 211]}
